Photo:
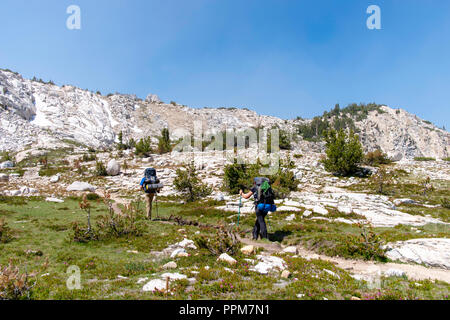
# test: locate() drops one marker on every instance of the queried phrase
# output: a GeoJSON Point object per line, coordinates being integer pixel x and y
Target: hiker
{"type": "Point", "coordinates": [151, 185]}
{"type": "Point", "coordinates": [264, 202]}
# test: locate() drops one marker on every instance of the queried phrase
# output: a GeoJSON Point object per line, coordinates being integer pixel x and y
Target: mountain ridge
{"type": "Point", "coordinates": [44, 115]}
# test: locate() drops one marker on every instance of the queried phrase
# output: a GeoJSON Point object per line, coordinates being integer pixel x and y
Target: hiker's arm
{"type": "Point", "coordinates": [245, 196]}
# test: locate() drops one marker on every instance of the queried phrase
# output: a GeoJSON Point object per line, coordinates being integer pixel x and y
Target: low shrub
{"type": "Point", "coordinates": [445, 203]}
{"type": "Point", "coordinates": [5, 232]}
{"type": "Point", "coordinates": [188, 182]}
{"type": "Point", "coordinates": [225, 241]}
{"type": "Point", "coordinates": [100, 169]}
{"type": "Point", "coordinates": [13, 284]}
{"type": "Point", "coordinates": [376, 158]}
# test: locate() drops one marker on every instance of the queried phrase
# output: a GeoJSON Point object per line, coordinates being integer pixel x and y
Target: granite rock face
{"type": "Point", "coordinates": [44, 115]}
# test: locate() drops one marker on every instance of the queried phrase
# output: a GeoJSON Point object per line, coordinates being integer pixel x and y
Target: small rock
{"type": "Point", "coordinates": [170, 265]}
{"type": "Point", "coordinates": [285, 274]}
{"type": "Point", "coordinates": [49, 199]}
{"type": "Point", "coordinates": [300, 295]}
{"type": "Point", "coordinates": [332, 273]}
{"type": "Point", "coordinates": [177, 252]}
{"type": "Point", "coordinates": [290, 249]}
{"type": "Point", "coordinates": [173, 276]}
{"type": "Point", "coordinates": [186, 243]}
{"type": "Point", "coordinates": [81, 186]}
{"type": "Point", "coordinates": [155, 285]}
{"type": "Point", "coordinates": [183, 254]}
{"type": "Point", "coordinates": [55, 178]}
{"type": "Point", "coordinates": [320, 210]}
{"type": "Point", "coordinates": [4, 177]}
{"type": "Point", "coordinates": [248, 250]}
{"type": "Point", "coordinates": [113, 168]}
{"type": "Point", "coordinates": [399, 202]}
{"type": "Point", "coordinates": [6, 164]}
{"type": "Point", "coordinates": [355, 298]}
{"type": "Point", "coordinates": [291, 217]}
{"type": "Point", "coordinates": [226, 258]}
{"type": "Point", "coordinates": [307, 213]}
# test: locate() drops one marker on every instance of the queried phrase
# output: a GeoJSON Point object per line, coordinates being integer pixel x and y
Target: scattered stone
{"type": "Point", "coordinates": [155, 285]}
{"type": "Point", "coordinates": [141, 280]}
{"type": "Point", "coordinates": [4, 177]}
{"type": "Point", "coordinates": [290, 249]}
{"type": "Point", "coordinates": [49, 199]}
{"type": "Point", "coordinates": [355, 298]}
{"type": "Point", "coordinates": [55, 178]}
{"type": "Point", "coordinates": [178, 252]}
{"type": "Point", "coordinates": [248, 250]}
{"type": "Point", "coordinates": [291, 217]}
{"type": "Point", "coordinates": [399, 202]}
{"type": "Point", "coordinates": [173, 276]}
{"type": "Point", "coordinates": [113, 168]}
{"type": "Point", "coordinates": [268, 264]}
{"type": "Point", "coordinates": [6, 164]}
{"type": "Point", "coordinates": [300, 295]}
{"type": "Point", "coordinates": [227, 258]}
{"type": "Point", "coordinates": [285, 274]}
{"type": "Point", "coordinates": [81, 186]}
{"type": "Point", "coordinates": [320, 210]}
{"type": "Point", "coordinates": [307, 213]}
{"type": "Point", "coordinates": [27, 191]}
{"type": "Point", "coordinates": [170, 265]}
{"type": "Point", "coordinates": [332, 273]}
{"type": "Point", "coordinates": [186, 243]}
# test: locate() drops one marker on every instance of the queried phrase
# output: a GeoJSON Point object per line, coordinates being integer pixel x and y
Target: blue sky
{"type": "Point", "coordinates": [283, 58]}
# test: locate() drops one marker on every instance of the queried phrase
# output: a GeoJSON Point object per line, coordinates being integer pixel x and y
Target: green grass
{"type": "Point", "coordinates": [424, 159]}
{"type": "Point", "coordinates": [42, 245]}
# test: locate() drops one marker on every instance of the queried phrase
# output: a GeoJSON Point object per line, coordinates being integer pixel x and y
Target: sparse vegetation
{"type": "Point", "coordinates": [376, 158]}
{"type": "Point", "coordinates": [164, 145]}
{"type": "Point", "coordinates": [224, 241]}
{"type": "Point", "coordinates": [424, 159]}
{"type": "Point", "coordinates": [381, 179]}
{"type": "Point", "coordinates": [344, 152]}
{"type": "Point", "coordinates": [100, 169]}
{"type": "Point", "coordinates": [143, 147]}
{"type": "Point", "coordinates": [188, 182]}
{"type": "Point", "coordinates": [14, 285]}
{"type": "Point", "coordinates": [240, 176]}
{"type": "Point", "coordinates": [5, 232]}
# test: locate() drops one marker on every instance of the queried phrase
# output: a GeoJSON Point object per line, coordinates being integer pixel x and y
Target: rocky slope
{"type": "Point", "coordinates": [47, 116]}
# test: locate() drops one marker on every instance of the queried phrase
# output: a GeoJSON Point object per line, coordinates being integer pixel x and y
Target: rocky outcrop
{"type": "Point", "coordinates": [430, 252]}
{"type": "Point", "coordinates": [45, 116]}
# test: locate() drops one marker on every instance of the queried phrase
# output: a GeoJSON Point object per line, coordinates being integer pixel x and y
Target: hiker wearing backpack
{"type": "Point", "coordinates": [264, 203]}
{"type": "Point", "coordinates": [151, 185]}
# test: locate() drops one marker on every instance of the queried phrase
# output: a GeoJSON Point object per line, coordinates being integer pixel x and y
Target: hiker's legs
{"type": "Point", "coordinates": [256, 230]}
{"type": "Point", "coordinates": [262, 224]}
{"type": "Point", "coordinates": [148, 202]}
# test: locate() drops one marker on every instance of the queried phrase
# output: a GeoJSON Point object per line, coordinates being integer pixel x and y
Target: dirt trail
{"type": "Point", "coordinates": [360, 267]}
{"type": "Point", "coordinates": [366, 269]}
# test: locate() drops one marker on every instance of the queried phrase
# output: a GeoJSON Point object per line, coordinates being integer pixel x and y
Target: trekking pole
{"type": "Point", "coordinates": [239, 212]}
{"type": "Point", "coordinates": [156, 202]}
